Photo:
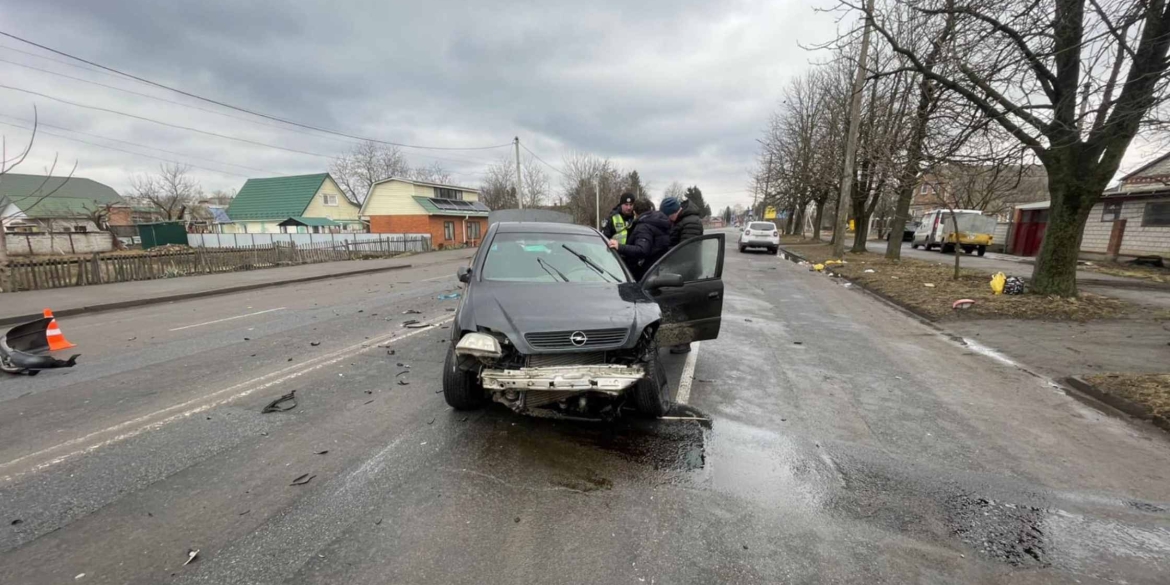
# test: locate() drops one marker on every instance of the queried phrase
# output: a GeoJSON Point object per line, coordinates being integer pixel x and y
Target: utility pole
{"type": "Point", "coordinates": [767, 185]}
{"type": "Point", "coordinates": [851, 141]}
{"type": "Point", "coordinates": [519, 181]}
{"type": "Point", "coordinates": [597, 200]}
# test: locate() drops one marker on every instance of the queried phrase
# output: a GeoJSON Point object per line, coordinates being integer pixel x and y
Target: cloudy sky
{"type": "Point", "coordinates": [678, 89]}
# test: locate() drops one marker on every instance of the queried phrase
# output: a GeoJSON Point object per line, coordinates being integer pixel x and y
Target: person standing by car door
{"type": "Point", "coordinates": [617, 225]}
{"type": "Point", "coordinates": [648, 240]}
{"type": "Point", "coordinates": [685, 224]}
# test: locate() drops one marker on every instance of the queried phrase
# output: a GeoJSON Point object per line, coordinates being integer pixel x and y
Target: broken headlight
{"type": "Point", "coordinates": [479, 345]}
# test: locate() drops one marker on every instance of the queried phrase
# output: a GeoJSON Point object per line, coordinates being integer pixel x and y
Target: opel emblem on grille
{"type": "Point", "coordinates": [578, 338]}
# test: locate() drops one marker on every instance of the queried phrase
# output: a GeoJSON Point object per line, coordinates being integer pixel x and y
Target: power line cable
{"type": "Point", "coordinates": [125, 151]}
{"type": "Point", "coordinates": [137, 145]}
{"type": "Point", "coordinates": [543, 161]}
{"type": "Point", "coordinates": [164, 100]}
{"type": "Point", "coordinates": [240, 109]}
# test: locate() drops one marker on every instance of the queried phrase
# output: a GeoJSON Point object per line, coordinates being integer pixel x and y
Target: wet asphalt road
{"type": "Point", "coordinates": [847, 443]}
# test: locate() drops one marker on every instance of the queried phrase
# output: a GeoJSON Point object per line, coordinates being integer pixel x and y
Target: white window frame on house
{"type": "Point", "coordinates": [1163, 221]}
{"type": "Point", "coordinates": [1111, 211]}
{"type": "Point", "coordinates": [448, 230]}
{"type": "Point", "coordinates": [327, 197]}
{"type": "Point", "coordinates": [473, 226]}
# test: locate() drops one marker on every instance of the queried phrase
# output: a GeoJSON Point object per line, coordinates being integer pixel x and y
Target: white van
{"type": "Point", "coordinates": [976, 231]}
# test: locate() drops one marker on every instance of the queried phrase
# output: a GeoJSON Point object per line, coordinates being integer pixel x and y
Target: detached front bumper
{"type": "Point", "coordinates": [609, 378]}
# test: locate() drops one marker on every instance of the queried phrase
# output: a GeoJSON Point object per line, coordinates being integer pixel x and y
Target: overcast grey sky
{"type": "Point", "coordinates": [677, 89]}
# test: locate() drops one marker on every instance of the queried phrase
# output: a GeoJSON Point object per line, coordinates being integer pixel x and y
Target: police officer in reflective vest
{"type": "Point", "coordinates": [617, 225]}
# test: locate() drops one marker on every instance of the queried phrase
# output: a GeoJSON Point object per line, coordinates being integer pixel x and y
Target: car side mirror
{"type": "Point", "coordinates": [666, 280]}
{"type": "Point", "coordinates": [464, 274]}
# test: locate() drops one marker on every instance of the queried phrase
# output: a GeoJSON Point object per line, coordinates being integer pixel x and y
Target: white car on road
{"type": "Point", "coordinates": [760, 234]}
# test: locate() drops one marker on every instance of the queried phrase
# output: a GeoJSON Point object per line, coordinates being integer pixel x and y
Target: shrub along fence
{"type": "Point", "coordinates": [38, 274]}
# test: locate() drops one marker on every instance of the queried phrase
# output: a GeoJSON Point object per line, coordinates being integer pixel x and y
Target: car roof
{"type": "Point", "coordinates": [513, 227]}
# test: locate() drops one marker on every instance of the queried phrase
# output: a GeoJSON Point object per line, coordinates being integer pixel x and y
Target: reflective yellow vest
{"type": "Point", "coordinates": [620, 228]}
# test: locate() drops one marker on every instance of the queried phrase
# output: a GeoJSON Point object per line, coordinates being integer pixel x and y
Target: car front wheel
{"type": "Point", "coordinates": [461, 388]}
{"type": "Point", "coordinates": [652, 394]}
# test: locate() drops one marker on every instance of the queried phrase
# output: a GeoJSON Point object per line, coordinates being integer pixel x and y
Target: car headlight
{"type": "Point", "coordinates": [479, 345]}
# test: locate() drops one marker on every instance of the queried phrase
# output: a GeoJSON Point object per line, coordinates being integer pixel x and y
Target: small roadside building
{"type": "Point", "coordinates": [297, 204]}
{"type": "Point", "coordinates": [453, 216]}
{"type": "Point", "coordinates": [36, 203]}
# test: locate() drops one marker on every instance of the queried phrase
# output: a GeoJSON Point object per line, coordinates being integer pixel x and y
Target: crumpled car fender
{"type": "Point", "coordinates": [21, 350]}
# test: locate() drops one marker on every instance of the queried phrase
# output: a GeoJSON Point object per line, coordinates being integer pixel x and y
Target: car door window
{"type": "Point", "coordinates": [695, 260]}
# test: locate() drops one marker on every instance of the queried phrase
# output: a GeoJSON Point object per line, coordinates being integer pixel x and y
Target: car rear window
{"type": "Point", "coordinates": [762, 226]}
{"type": "Point", "coordinates": [540, 257]}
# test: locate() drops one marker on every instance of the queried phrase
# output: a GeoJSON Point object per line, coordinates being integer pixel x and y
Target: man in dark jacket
{"type": "Point", "coordinates": [685, 224]}
{"type": "Point", "coordinates": [648, 239]}
{"type": "Point", "coordinates": [617, 223]}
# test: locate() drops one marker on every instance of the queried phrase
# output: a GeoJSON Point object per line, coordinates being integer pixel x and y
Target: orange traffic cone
{"type": "Point", "coordinates": [55, 338]}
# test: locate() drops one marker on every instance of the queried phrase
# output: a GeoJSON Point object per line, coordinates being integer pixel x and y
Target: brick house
{"type": "Point", "coordinates": [452, 215]}
{"type": "Point", "coordinates": [1133, 218]}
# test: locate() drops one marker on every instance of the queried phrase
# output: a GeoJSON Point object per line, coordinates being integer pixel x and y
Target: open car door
{"type": "Point", "coordinates": [687, 283]}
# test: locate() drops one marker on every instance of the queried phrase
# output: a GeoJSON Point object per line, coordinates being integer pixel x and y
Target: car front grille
{"type": "Point", "coordinates": [564, 339]}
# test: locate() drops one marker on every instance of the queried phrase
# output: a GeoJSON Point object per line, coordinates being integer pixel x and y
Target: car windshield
{"type": "Point", "coordinates": [541, 257]}
{"type": "Point", "coordinates": [762, 226]}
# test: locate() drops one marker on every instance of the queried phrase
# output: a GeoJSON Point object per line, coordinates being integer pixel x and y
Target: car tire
{"type": "Point", "coordinates": [913, 245]}
{"type": "Point", "coordinates": [652, 394]}
{"type": "Point", "coordinates": [774, 251]}
{"type": "Point", "coordinates": [946, 249]}
{"type": "Point", "coordinates": [742, 248]}
{"type": "Point", "coordinates": [461, 389]}
{"type": "Point", "coordinates": [981, 250]}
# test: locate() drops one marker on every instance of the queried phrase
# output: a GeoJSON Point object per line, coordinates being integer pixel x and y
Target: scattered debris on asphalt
{"type": "Point", "coordinates": [403, 383]}
{"type": "Point", "coordinates": [282, 404]}
{"type": "Point", "coordinates": [748, 320]}
{"type": "Point", "coordinates": [131, 339]}
{"type": "Point", "coordinates": [409, 322]}
{"type": "Point", "coordinates": [302, 480]}
{"type": "Point", "coordinates": [314, 343]}
{"type": "Point", "coordinates": [378, 522]}
{"type": "Point", "coordinates": [411, 312]}
{"type": "Point", "coordinates": [797, 343]}
{"type": "Point", "coordinates": [247, 339]}
{"type": "Point", "coordinates": [517, 520]}
{"type": "Point", "coordinates": [244, 513]}
{"type": "Point", "coordinates": [867, 271]}
{"type": "Point", "coordinates": [449, 296]}
{"type": "Point", "coordinates": [432, 421]}
{"type": "Point", "coordinates": [402, 372]}
{"type": "Point", "coordinates": [368, 402]}
{"type": "Point", "coordinates": [464, 419]}
{"type": "Point", "coordinates": [451, 309]}
{"type": "Point", "coordinates": [321, 452]}
{"type": "Point", "coordinates": [417, 326]}
{"type": "Point", "coordinates": [18, 521]}
{"type": "Point", "coordinates": [191, 554]}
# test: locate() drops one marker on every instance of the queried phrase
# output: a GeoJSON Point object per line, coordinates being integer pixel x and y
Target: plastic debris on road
{"type": "Point", "coordinates": [282, 404]}
{"type": "Point", "coordinates": [818, 267]}
{"type": "Point", "coordinates": [869, 271]}
{"type": "Point", "coordinates": [191, 554]}
{"type": "Point", "coordinates": [449, 296]}
{"type": "Point", "coordinates": [928, 284]}
{"type": "Point", "coordinates": [302, 480]}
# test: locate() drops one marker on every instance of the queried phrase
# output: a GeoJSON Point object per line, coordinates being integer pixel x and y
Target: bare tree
{"type": "Point", "coordinates": [675, 190]}
{"type": "Point", "coordinates": [172, 191]}
{"type": "Point", "coordinates": [586, 176]}
{"type": "Point", "coordinates": [432, 173]}
{"type": "Point", "coordinates": [1072, 81]}
{"type": "Point", "coordinates": [536, 184]}
{"type": "Point", "coordinates": [498, 187]}
{"type": "Point", "coordinates": [365, 164]}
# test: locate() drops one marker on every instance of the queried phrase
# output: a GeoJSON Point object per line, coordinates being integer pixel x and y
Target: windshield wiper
{"type": "Point", "coordinates": [590, 263]}
{"type": "Point", "coordinates": [546, 266]}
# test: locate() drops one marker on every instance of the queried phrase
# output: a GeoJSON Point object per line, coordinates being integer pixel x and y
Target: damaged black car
{"type": "Point", "coordinates": [552, 322]}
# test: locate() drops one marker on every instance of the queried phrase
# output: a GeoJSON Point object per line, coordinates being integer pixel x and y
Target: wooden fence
{"type": "Point", "coordinates": [38, 274]}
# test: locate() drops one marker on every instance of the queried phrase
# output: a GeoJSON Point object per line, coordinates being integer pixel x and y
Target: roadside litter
{"type": "Point", "coordinates": [928, 284]}
{"type": "Point", "coordinates": [1014, 285]}
{"type": "Point", "coordinates": [962, 304]}
{"type": "Point", "coordinates": [282, 404]}
{"type": "Point", "coordinates": [191, 554]}
{"type": "Point", "coordinates": [417, 325]}
{"type": "Point", "coordinates": [449, 296]}
{"type": "Point", "coordinates": [302, 480]}
{"type": "Point", "coordinates": [411, 312]}
{"type": "Point", "coordinates": [997, 283]}
{"type": "Point", "coordinates": [409, 322]}
{"type": "Point", "coordinates": [869, 271]}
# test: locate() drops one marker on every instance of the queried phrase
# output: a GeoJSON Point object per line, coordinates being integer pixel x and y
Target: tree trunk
{"type": "Point", "coordinates": [819, 216]}
{"type": "Point", "coordinates": [861, 226]}
{"type": "Point", "coordinates": [958, 247]}
{"type": "Point", "coordinates": [1073, 195]}
{"type": "Point", "coordinates": [897, 225]}
{"type": "Point", "coordinates": [798, 220]}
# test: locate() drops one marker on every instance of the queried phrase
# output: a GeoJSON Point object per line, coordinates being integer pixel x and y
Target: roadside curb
{"type": "Point", "coordinates": [193, 295]}
{"type": "Point", "coordinates": [1114, 404]}
{"type": "Point", "coordinates": [1075, 387]}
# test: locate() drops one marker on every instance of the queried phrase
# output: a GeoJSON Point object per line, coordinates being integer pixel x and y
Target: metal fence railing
{"type": "Point", "coordinates": [38, 274]}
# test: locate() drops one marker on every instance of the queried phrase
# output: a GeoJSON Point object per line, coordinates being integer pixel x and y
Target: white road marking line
{"type": "Point", "coordinates": [243, 388]}
{"type": "Point", "coordinates": [226, 319]}
{"type": "Point", "coordinates": [688, 374]}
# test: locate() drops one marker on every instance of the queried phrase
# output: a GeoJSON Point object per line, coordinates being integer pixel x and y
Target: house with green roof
{"type": "Point", "coordinates": [36, 203]}
{"type": "Point", "coordinates": [297, 204]}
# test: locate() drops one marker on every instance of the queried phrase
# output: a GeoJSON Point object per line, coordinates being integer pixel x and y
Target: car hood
{"type": "Point", "coordinates": [516, 309]}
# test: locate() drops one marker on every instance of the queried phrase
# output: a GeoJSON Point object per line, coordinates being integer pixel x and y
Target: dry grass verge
{"type": "Point", "coordinates": [1149, 390]}
{"type": "Point", "coordinates": [906, 282]}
